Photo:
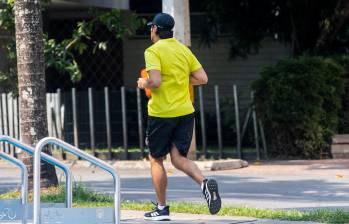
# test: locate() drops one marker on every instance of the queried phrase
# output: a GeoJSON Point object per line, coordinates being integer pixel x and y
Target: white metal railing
{"type": "Point", "coordinates": [72, 149]}
{"type": "Point", "coordinates": [48, 159]}
{"type": "Point", "coordinates": [24, 175]}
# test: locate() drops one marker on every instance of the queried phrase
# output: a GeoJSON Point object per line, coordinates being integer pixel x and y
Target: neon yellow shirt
{"type": "Point", "coordinates": [175, 62]}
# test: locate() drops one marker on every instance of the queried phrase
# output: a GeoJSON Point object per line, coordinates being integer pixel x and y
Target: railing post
{"type": "Point", "coordinates": [24, 175]}
{"type": "Point", "coordinates": [48, 159]}
{"type": "Point", "coordinates": [74, 150]}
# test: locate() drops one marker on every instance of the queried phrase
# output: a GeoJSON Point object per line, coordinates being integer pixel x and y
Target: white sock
{"type": "Point", "coordinates": [203, 185]}
{"type": "Point", "coordinates": [161, 207]}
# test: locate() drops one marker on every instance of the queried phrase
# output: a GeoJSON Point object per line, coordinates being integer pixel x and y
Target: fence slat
{"type": "Point", "coordinates": [124, 120]}
{"type": "Point", "coordinates": [49, 117]}
{"type": "Point", "coordinates": [2, 124]}
{"type": "Point", "coordinates": [107, 120]}
{"type": "Point", "coordinates": [92, 121]}
{"type": "Point", "coordinates": [75, 118]}
{"type": "Point", "coordinates": [202, 121]}
{"type": "Point", "coordinates": [140, 121]}
{"type": "Point", "coordinates": [261, 128]}
{"type": "Point", "coordinates": [16, 122]}
{"type": "Point", "coordinates": [5, 117]}
{"type": "Point", "coordinates": [247, 119]}
{"type": "Point", "coordinates": [58, 113]}
{"type": "Point", "coordinates": [255, 126]}
{"type": "Point", "coordinates": [19, 118]}
{"type": "Point", "coordinates": [219, 126]}
{"type": "Point", "coordinates": [237, 122]}
{"type": "Point", "coordinates": [54, 114]}
{"type": "Point", "coordinates": [10, 121]}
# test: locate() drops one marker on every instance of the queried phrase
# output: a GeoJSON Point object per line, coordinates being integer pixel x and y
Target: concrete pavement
{"type": "Point", "coordinates": [134, 218]}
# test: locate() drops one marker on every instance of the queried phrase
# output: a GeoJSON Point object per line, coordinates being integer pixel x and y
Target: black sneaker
{"type": "Point", "coordinates": [210, 191]}
{"type": "Point", "coordinates": [158, 215]}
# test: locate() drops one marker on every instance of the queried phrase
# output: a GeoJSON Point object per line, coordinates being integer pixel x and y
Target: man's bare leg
{"type": "Point", "coordinates": [159, 178]}
{"type": "Point", "coordinates": [209, 187]}
{"type": "Point", "coordinates": [186, 165]}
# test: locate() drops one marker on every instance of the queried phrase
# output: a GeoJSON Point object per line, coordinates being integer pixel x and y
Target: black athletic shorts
{"type": "Point", "coordinates": [163, 132]}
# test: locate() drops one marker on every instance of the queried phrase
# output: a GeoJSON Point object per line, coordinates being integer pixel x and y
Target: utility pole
{"type": "Point", "coordinates": [179, 9]}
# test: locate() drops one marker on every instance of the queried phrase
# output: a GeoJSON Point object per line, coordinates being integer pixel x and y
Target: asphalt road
{"type": "Point", "coordinates": [276, 185]}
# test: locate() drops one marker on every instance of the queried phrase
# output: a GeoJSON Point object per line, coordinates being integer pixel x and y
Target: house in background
{"type": "Point", "coordinates": [121, 63]}
{"type": "Point", "coordinates": [221, 70]}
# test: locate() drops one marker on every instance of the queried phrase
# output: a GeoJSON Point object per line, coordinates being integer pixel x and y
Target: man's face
{"type": "Point", "coordinates": [153, 35]}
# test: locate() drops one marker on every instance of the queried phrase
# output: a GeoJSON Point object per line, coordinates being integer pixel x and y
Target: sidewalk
{"type": "Point", "coordinates": [135, 217]}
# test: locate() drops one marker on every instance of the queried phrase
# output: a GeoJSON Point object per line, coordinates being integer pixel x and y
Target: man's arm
{"type": "Point", "coordinates": [153, 82]}
{"type": "Point", "coordinates": [198, 77]}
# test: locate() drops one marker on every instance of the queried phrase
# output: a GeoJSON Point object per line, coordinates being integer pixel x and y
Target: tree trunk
{"type": "Point", "coordinates": [294, 35]}
{"type": "Point", "coordinates": [31, 81]}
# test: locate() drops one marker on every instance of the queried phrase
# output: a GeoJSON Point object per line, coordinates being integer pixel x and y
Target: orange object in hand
{"type": "Point", "coordinates": [144, 74]}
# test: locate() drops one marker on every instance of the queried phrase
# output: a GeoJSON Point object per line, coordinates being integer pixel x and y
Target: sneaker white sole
{"type": "Point", "coordinates": [216, 203]}
{"type": "Point", "coordinates": [158, 218]}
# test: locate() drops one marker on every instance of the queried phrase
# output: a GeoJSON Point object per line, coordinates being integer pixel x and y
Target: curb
{"type": "Point", "coordinates": [216, 165]}
{"type": "Point", "coordinates": [210, 165]}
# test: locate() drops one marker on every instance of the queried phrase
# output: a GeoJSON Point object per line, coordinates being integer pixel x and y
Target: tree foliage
{"type": "Point", "coordinates": [60, 55]}
{"type": "Point", "coordinates": [311, 26]}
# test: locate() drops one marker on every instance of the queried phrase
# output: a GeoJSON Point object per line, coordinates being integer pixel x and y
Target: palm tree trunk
{"type": "Point", "coordinates": [31, 81]}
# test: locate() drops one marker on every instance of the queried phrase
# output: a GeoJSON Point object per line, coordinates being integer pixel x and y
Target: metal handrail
{"type": "Point", "coordinates": [24, 175]}
{"type": "Point", "coordinates": [72, 149]}
{"type": "Point", "coordinates": [50, 160]}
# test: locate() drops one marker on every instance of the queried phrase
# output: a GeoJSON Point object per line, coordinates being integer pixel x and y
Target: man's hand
{"type": "Point", "coordinates": [142, 83]}
{"type": "Point", "coordinates": [153, 82]}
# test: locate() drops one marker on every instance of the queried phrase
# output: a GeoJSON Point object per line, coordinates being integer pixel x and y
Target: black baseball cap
{"type": "Point", "coordinates": [163, 21]}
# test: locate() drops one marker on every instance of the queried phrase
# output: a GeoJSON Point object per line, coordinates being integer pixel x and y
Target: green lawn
{"type": "Point", "coordinates": [86, 198]}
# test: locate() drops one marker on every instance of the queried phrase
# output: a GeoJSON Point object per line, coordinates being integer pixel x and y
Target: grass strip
{"type": "Point", "coordinates": [86, 198]}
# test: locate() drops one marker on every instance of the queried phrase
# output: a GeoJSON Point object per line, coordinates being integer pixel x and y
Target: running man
{"type": "Point", "coordinates": [171, 67]}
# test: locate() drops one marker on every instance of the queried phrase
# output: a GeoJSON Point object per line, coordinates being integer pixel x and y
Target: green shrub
{"type": "Point", "coordinates": [299, 101]}
{"type": "Point", "coordinates": [343, 126]}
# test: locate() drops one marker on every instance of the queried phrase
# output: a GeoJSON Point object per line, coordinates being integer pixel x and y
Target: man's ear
{"type": "Point", "coordinates": [156, 30]}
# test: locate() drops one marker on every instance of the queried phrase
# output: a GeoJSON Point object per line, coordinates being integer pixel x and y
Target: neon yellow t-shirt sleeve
{"type": "Point", "coordinates": [195, 64]}
{"type": "Point", "coordinates": [152, 60]}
